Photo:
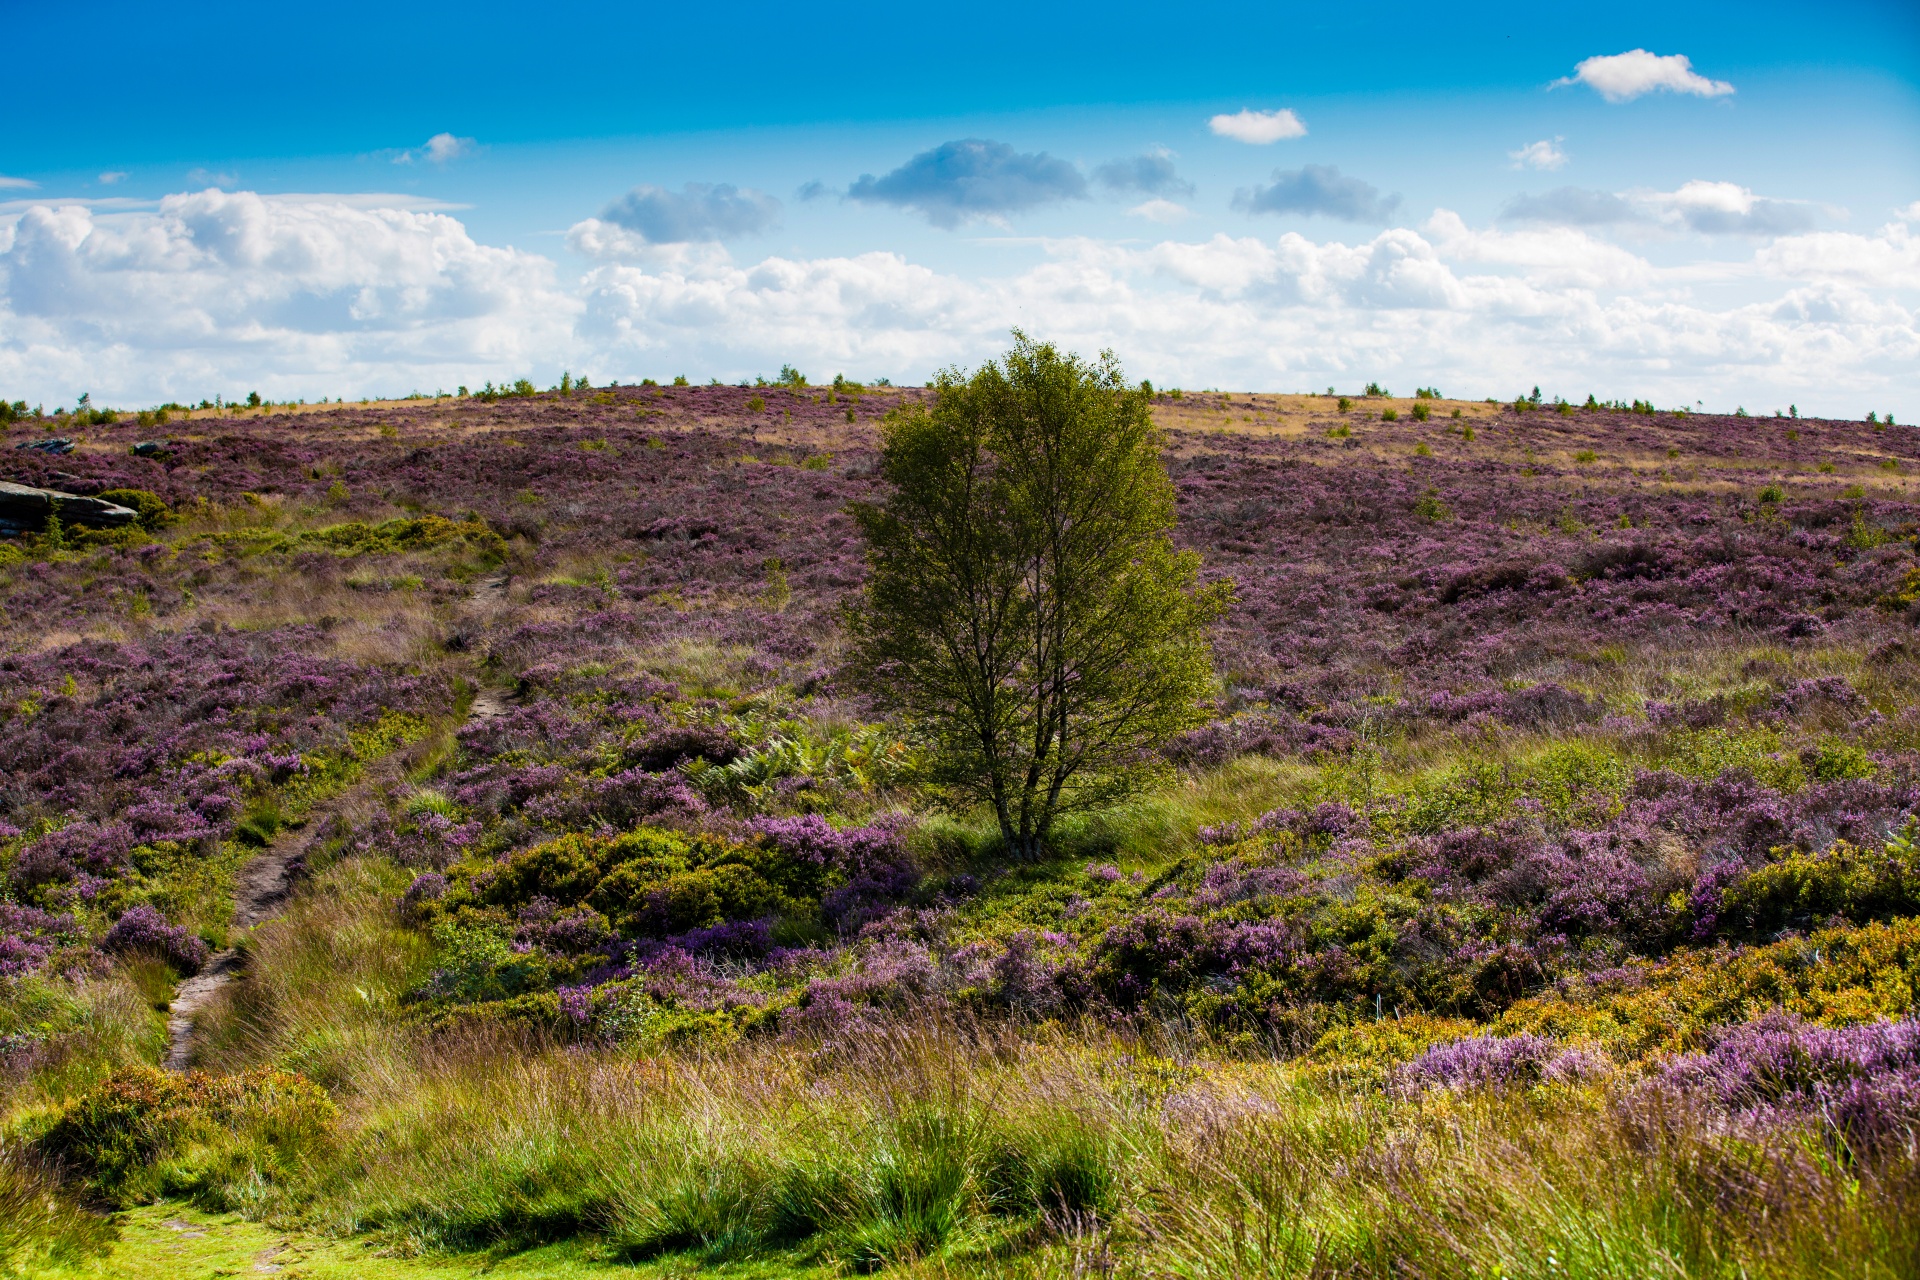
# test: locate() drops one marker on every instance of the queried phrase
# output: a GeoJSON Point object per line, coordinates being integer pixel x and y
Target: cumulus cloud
{"type": "Point", "coordinates": [1484, 309]}
{"type": "Point", "coordinates": [1544, 154]}
{"type": "Point", "coordinates": [1888, 259]}
{"type": "Point", "coordinates": [698, 211]}
{"type": "Point", "coordinates": [1318, 189]}
{"type": "Point", "coordinates": [1259, 127]}
{"type": "Point", "coordinates": [1151, 174]}
{"type": "Point", "coordinates": [1706, 208]}
{"type": "Point", "coordinates": [1622, 77]}
{"type": "Point", "coordinates": [1724, 208]}
{"type": "Point", "coordinates": [214, 291]}
{"type": "Point", "coordinates": [972, 178]}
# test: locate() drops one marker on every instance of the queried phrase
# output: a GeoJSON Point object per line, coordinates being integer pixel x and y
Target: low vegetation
{"type": "Point", "coordinates": [1518, 880]}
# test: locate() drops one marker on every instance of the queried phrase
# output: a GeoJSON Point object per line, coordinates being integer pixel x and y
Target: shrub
{"type": "Point", "coordinates": [144, 931]}
{"type": "Point", "coordinates": [1389, 415]}
{"type": "Point", "coordinates": [1842, 882]}
{"type": "Point", "coordinates": [120, 1134]}
{"type": "Point", "coordinates": [1421, 412]}
{"type": "Point", "coordinates": [152, 512]}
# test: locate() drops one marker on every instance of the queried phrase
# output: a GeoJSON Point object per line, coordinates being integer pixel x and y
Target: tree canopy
{"type": "Point", "coordinates": [1026, 609]}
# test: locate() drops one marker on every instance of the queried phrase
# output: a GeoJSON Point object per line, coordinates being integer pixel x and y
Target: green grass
{"type": "Point", "coordinates": [178, 1242]}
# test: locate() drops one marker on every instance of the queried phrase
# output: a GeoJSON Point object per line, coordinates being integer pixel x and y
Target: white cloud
{"type": "Point", "coordinates": [1165, 212]}
{"type": "Point", "coordinates": [441, 148]}
{"type": "Point", "coordinates": [21, 183]}
{"type": "Point", "coordinates": [112, 176]}
{"type": "Point", "coordinates": [1622, 77]}
{"type": "Point", "coordinates": [1909, 214]}
{"type": "Point", "coordinates": [215, 289]}
{"type": "Point", "coordinates": [1259, 127]}
{"type": "Point", "coordinates": [1544, 154]}
{"type": "Point", "coordinates": [220, 292]}
{"type": "Point", "coordinates": [1705, 208]}
{"type": "Point", "coordinates": [1888, 259]}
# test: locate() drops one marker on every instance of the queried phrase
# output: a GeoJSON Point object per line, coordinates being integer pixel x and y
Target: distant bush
{"type": "Point", "coordinates": [519, 389]}
{"type": "Point", "coordinates": [1375, 389]}
{"type": "Point", "coordinates": [1421, 412]}
{"type": "Point", "coordinates": [1426, 393]}
{"type": "Point", "coordinates": [1344, 404]}
{"type": "Point", "coordinates": [409, 533]}
{"type": "Point", "coordinates": [790, 377]}
{"type": "Point", "coordinates": [1389, 415]}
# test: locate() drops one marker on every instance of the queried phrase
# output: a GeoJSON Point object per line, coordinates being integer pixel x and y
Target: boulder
{"type": "Point", "coordinates": [52, 444]}
{"type": "Point", "coordinates": [149, 448]}
{"type": "Point", "coordinates": [25, 510]}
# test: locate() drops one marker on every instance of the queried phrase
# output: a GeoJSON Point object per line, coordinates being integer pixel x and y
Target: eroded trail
{"type": "Point", "coordinates": [267, 879]}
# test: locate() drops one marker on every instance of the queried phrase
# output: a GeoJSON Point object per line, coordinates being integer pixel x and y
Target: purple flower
{"type": "Point", "coordinates": [143, 930]}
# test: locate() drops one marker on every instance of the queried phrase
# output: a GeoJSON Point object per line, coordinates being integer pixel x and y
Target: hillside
{"type": "Point", "coordinates": [1543, 885]}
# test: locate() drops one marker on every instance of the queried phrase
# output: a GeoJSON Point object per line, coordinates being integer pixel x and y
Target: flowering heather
{"type": "Point", "coordinates": [28, 936]}
{"type": "Point", "coordinates": [1480, 1062]}
{"type": "Point", "coordinates": [1863, 1081]}
{"type": "Point", "coordinates": [142, 930]}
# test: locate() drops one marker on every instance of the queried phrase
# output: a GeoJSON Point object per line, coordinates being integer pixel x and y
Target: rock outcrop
{"type": "Point", "coordinates": [25, 510]}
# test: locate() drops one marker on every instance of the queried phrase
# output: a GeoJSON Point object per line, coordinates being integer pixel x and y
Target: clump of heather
{"type": "Point", "coordinates": [144, 931]}
{"type": "Point", "coordinates": [29, 937]}
{"type": "Point", "coordinates": [1490, 1062]}
{"type": "Point", "coordinates": [1862, 1081]}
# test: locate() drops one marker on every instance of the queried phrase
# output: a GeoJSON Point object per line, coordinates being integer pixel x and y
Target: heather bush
{"type": "Point", "coordinates": [142, 930]}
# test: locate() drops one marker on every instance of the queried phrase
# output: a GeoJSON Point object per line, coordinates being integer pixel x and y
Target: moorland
{"type": "Point", "coordinates": [1538, 894]}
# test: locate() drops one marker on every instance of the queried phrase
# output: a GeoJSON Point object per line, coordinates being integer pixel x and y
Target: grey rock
{"type": "Point", "coordinates": [24, 509]}
{"type": "Point", "coordinates": [148, 448]}
{"type": "Point", "coordinates": [52, 444]}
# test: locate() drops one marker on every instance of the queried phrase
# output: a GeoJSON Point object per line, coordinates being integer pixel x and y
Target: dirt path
{"type": "Point", "coordinates": [264, 883]}
{"type": "Point", "coordinates": [266, 880]}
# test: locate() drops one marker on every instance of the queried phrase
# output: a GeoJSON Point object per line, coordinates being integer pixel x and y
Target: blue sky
{"type": "Point", "coordinates": [1711, 203]}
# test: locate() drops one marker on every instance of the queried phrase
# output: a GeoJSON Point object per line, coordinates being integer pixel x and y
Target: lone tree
{"type": "Point", "coordinates": [1026, 608]}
